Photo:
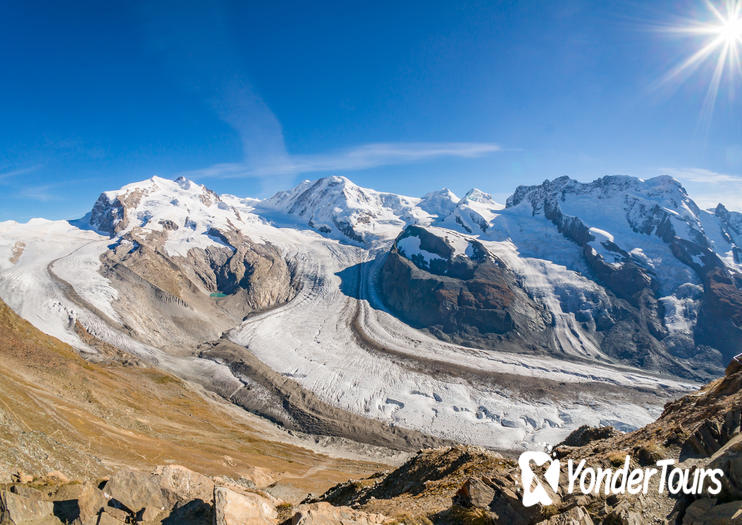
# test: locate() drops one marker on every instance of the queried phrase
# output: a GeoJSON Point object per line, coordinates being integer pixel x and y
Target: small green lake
{"type": "Point", "coordinates": [218, 294]}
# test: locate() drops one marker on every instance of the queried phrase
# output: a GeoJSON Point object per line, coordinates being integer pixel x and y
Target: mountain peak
{"type": "Point", "coordinates": [441, 202]}
{"type": "Point", "coordinates": [337, 179]}
{"type": "Point", "coordinates": [477, 195]}
{"type": "Point", "coordinates": [443, 193]}
{"type": "Point", "coordinates": [664, 190]}
{"type": "Point", "coordinates": [336, 206]}
{"type": "Point", "coordinates": [138, 203]}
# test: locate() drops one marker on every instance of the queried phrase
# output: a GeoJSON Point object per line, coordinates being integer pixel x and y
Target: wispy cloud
{"type": "Point", "coordinates": [4, 175]}
{"type": "Point", "coordinates": [708, 188]}
{"type": "Point", "coordinates": [352, 159]}
{"type": "Point", "coordinates": [732, 200]}
{"type": "Point", "coordinates": [225, 86]}
{"type": "Point", "coordinates": [41, 192]}
{"type": "Point", "coordinates": [701, 175]}
{"type": "Point", "coordinates": [222, 84]}
{"type": "Point", "coordinates": [51, 191]}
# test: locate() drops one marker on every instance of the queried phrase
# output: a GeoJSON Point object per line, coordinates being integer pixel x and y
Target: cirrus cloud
{"type": "Point", "coordinates": [709, 188]}
{"type": "Point", "coordinates": [361, 157]}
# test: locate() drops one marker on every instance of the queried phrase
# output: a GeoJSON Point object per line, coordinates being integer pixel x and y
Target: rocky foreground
{"type": "Point", "coordinates": [170, 494]}
{"type": "Point", "coordinates": [445, 485]}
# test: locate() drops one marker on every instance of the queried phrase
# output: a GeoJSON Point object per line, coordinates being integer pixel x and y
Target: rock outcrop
{"type": "Point", "coordinates": [249, 508]}
{"type": "Point", "coordinates": [21, 510]}
{"type": "Point", "coordinates": [471, 298]}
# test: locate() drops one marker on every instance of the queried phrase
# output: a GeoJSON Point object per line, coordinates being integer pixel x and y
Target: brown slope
{"type": "Point", "coordinates": [60, 412]}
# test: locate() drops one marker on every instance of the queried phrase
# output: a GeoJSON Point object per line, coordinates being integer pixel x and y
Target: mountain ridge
{"type": "Point", "coordinates": [305, 283]}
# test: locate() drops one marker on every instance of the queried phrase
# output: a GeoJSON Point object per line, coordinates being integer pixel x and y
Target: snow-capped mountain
{"type": "Point", "coordinates": [188, 211]}
{"type": "Point", "coordinates": [473, 213]}
{"type": "Point", "coordinates": [628, 269]}
{"type": "Point", "coordinates": [461, 318]}
{"type": "Point", "coordinates": [336, 206]}
{"type": "Point", "coordinates": [440, 203]}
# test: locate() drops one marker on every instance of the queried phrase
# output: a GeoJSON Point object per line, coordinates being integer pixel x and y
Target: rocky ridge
{"type": "Point", "coordinates": [648, 274]}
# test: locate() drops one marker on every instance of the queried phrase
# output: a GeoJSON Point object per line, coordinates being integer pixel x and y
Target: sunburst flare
{"type": "Point", "coordinates": [723, 40]}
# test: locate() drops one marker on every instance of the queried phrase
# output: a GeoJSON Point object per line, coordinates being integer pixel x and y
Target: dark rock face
{"type": "Point", "coordinates": [720, 319]}
{"type": "Point", "coordinates": [245, 265]}
{"type": "Point", "coordinates": [107, 215]}
{"type": "Point", "coordinates": [713, 434]}
{"type": "Point", "coordinates": [475, 299]}
{"type": "Point", "coordinates": [114, 215]}
{"type": "Point", "coordinates": [586, 434]}
{"type": "Point", "coordinates": [472, 300]}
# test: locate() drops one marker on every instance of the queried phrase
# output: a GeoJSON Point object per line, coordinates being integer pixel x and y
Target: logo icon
{"type": "Point", "coordinates": [533, 490]}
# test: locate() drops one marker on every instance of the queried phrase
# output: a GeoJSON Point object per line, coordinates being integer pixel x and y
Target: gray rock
{"type": "Point", "coordinates": [730, 461]}
{"type": "Point", "coordinates": [706, 512]}
{"type": "Point", "coordinates": [574, 516]}
{"type": "Point", "coordinates": [90, 503]}
{"type": "Point", "coordinates": [326, 514]}
{"type": "Point", "coordinates": [286, 492]}
{"type": "Point", "coordinates": [136, 491]}
{"type": "Point", "coordinates": [475, 493]}
{"type": "Point", "coordinates": [181, 485]}
{"type": "Point", "coordinates": [623, 514]}
{"type": "Point", "coordinates": [19, 510]}
{"type": "Point", "coordinates": [249, 508]}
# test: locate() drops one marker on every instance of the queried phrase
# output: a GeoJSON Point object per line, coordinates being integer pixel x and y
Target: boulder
{"type": "Point", "coordinates": [698, 510]}
{"type": "Point", "coordinates": [326, 514]}
{"type": "Point", "coordinates": [623, 514]}
{"type": "Point", "coordinates": [287, 492]}
{"type": "Point", "coordinates": [730, 461]}
{"type": "Point", "coordinates": [249, 508]}
{"type": "Point", "coordinates": [706, 512]}
{"type": "Point", "coordinates": [90, 502]}
{"type": "Point", "coordinates": [29, 492]}
{"type": "Point", "coordinates": [116, 515]}
{"type": "Point", "coordinates": [713, 434]}
{"type": "Point", "coordinates": [137, 492]}
{"type": "Point", "coordinates": [507, 505]}
{"type": "Point", "coordinates": [108, 519]}
{"type": "Point", "coordinates": [587, 434]}
{"type": "Point", "coordinates": [475, 493]}
{"type": "Point", "coordinates": [180, 485]}
{"type": "Point", "coordinates": [574, 516]}
{"type": "Point", "coordinates": [260, 476]}
{"type": "Point", "coordinates": [18, 510]}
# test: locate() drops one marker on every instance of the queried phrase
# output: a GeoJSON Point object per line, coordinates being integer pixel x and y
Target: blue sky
{"type": "Point", "coordinates": [251, 97]}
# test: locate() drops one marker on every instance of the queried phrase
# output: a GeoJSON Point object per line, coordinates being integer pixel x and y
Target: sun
{"type": "Point", "coordinates": [731, 30]}
{"type": "Point", "coordinates": [722, 42]}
